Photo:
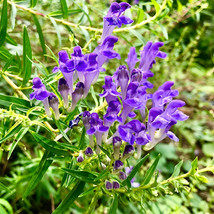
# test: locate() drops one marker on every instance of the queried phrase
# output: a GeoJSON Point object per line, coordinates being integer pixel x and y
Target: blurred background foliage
{"type": "Point", "coordinates": [186, 28]}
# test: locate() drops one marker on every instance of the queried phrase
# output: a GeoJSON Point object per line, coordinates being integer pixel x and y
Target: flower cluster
{"type": "Point", "coordinates": [82, 69]}
{"type": "Point", "coordinates": [126, 93]}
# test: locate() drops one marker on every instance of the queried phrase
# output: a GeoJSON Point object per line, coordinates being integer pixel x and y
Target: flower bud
{"type": "Point", "coordinates": [117, 142]}
{"type": "Point", "coordinates": [80, 159]}
{"type": "Point", "coordinates": [54, 104]}
{"type": "Point", "coordinates": [63, 89]}
{"type": "Point", "coordinates": [88, 152]}
{"type": "Point", "coordinates": [122, 175]}
{"type": "Point", "coordinates": [118, 165]}
{"type": "Point", "coordinates": [116, 185]}
{"type": "Point", "coordinates": [109, 185]}
{"type": "Point", "coordinates": [128, 151]}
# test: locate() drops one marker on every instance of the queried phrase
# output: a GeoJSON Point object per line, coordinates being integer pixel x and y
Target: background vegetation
{"type": "Point", "coordinates": [31, 35]}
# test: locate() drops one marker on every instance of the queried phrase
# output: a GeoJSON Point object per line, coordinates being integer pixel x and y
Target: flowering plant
{"type": "Point", "coordinates": [108, 148]}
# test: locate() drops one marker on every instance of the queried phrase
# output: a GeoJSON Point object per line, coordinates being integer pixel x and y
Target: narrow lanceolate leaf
{"type": "Point", "coordinates": [70, 198]}
{"type": "Point", "coordinates": [82, 139]}
{"type": "Point", "coordinates": [41, 37]}
{"type": "Point", "coordinates": [9, 100]}
{"type": "Point", "coordinates": [19, 136]}
{"type": "Point", "coordinates": [39, 173]}
{"type": "Point", "coordinates": [57, 31]}
{"type": "Point", "coordinates": [134, 171]}
{"type": "Point", "coordinates": [33, 3]}
{"type": "Point", "coordinates": [49, 145]}
{"type": "Point", "coordinates": [27, 57]}
{"type": "Point", "coordinates": [62, 130]}
{"type": "Point", "coordinates": [114, 205]}
{"type": "Point", "coordinates": [177, 169]}
{"type": "Point", "coordinates": [13, 16]}
{"type": "Point", "coordinates": [64, 9]}
{"type": "Point", "coordinates": [151, 171]}
{"type": "Point", "coordinates": [12, 131]}
{"type": "Point", "coordinates": [3, 187]}
{"type": "Point", "coordinates": [194, 166]}
{"type": "Point", "coordinates": [3, 23]}
{"type": "Point", "coordinates": [81, 175]}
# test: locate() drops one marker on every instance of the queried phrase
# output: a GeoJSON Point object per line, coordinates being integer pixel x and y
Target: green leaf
{"type": "Point", "coordinates": [39, 173]}
{"type": "Point", "coordinates": [114, 205]}
{"type": "Point", "coordinates": [6, 205]}
{"type": "Point", "coordinates": [27, 57]}
{"type": "Point", "coordinates": [9, 40]}
{"type": "Point", "coordinates": [33, 3]}
{"type": "Point", "coordinates": [41, 37]}
{"type": "Point", "coordinates": [87, 192]}
{"type": "Point", "coordinates": [13, 16]}
{"type": "Point", "coordinates": [194, 166]}
{"type": "Point", "coordinates": [3, 23]}
{"type": "Point", "coordinates": [57, 31]}
{"type": "Point", "coordinates": [70, 198]}
{"type": "Point", "coordinates": [49, 145]}
{"type": "Point", "coordinates": [138, 35]}
{"type": "Point", "coordinates": [59, 13]}
{"type": "Point", "coordinates": [103, 174]}
{"type": "Point", "coordinates": [13, 130]}
{"type": "Point", "coordinates": [82, 175]}
{"type": "Point", "coordinates": [105, 151]}
{"type": "Point", "coordinates": [64, 8]}
{"type": "Point", "coordinates": [151, 171]}
{"type": "Point", "coordinates": [82, 143]}
{"type": "Point", "coordinates": [208, 149]}
{"type": "Point", "coordinates": [19, 136]}
{"type": "Point", "coordinates": [202, 179]}
{"type": "Point", "coordinates": [164, 31]}
{"type": "Point", "coordinates": [2, 210]}
{"type": "Point", "coordinates": [8, 64]}
{"type": "Point", "coordinates": [177, 169]}
{"type": "Point", "coordinates": [157, 6]}
{"type": "Point", "coordinates": [134, 171]}
{"type": "Point", "coordinates": [61, 130]}
{"type": "Point", "coordinates": [18, 102]}
{"type": "Point", "coordinates": [3, 187]}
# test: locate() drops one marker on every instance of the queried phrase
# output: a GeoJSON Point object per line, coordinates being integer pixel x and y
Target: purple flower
{"type": "Point", "coordinates": [148, 55]}
{"type": "Point", "coordinates": [160, 121]}
{"type": "Point", "coordinates": [97, 128]}
{"type": "Point", "coordinates": [115, 18]}
{"type": "Point", "coordinates": [63, 89]}
{"type": "Point", "coordinates": [40, 93]}
{"type": "Point", "coordinates": [111, 115]}
{"type": "Point", "coordinates": [121, 77]}
{"type": "Point", "coordinates": [132, 59]}
{"type": "Point", "coordinates": [110, 90]}
{"type": "Point", "coordinates": [105, 50]}
{"type": "Point", "coordinates": [54, 104]}
{"type": "Point", "coordinates": [164, 95]}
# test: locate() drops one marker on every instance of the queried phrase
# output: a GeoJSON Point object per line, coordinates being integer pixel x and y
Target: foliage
{"type": "Point", "coordinates": [38, 159]}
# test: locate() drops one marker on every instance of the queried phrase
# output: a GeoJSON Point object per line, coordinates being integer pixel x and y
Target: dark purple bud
{"type": "Point", "coordinates": [54, 104]}
{"type": "Point", "coordinates": [89, 152]}
{"type": "Point", "coordinates": [122, 175]}
{"type": "Point", "coordinates": [74, 122]}
{"type": "Point", "coordinates": [116, 185]}
{"type": "Point", "coordinates": [128, 151]}
{"type": "Point", "coordinates": [117, 142]}
{"type": "Point", "coordinates": [109, 185]}
{"type": "Point", "coordinates": [118, 165]}
{"type": "Point", "coordinates": [76, 95]}
{"type": "Point", "coordinates": [63, 89]}
{"type": "Point", "coordinates": [80, 159]}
